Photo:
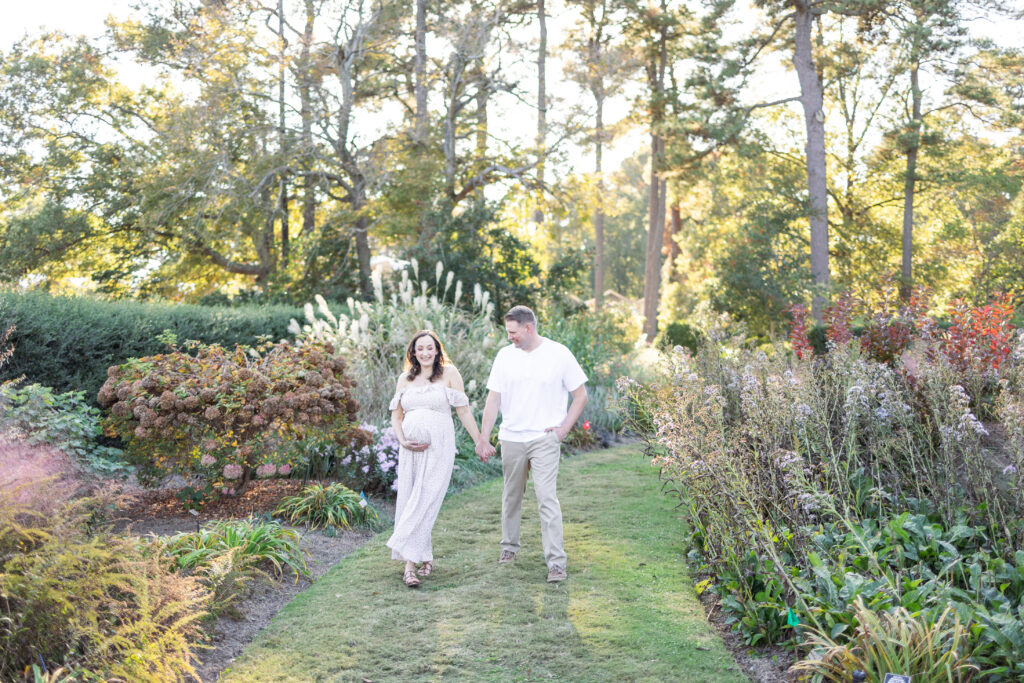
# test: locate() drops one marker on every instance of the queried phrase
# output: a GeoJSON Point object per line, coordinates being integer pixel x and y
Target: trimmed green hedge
{"type": "Point", "coordinates": [69, 342]}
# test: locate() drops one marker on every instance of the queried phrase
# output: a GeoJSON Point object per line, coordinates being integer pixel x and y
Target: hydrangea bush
{"type": "Point", "coordinates": [222, 417]}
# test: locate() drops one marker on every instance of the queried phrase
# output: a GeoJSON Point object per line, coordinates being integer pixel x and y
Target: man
{"type": "Point", "coordinates": [530, 381]}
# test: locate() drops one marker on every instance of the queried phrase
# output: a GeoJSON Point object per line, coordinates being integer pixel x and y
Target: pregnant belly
{"type": "Point", "coordinates": [416, 425]}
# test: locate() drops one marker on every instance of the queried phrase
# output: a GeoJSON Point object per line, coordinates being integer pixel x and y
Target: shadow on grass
{"type": "Point", "coordinates": [627, 611]}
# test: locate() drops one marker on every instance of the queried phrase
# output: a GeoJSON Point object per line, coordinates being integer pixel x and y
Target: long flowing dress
{"type": "Point", "coordinates": [423, 477]}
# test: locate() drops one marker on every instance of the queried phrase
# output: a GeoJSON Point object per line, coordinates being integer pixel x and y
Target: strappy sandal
{"type": "Point", "coordinates": [410, 579]}
{"type": "Point", "coordinates": [426, 569]}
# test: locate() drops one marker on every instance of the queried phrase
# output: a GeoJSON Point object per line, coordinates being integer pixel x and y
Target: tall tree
{"type": "Point", "coordinates": [542, 100]}
{"type": "Point", "coordinates": [654, 27]}
{"type": "Point", "coordinates": [602, 68]}
{"type": "Point", "coordinates": [420, 85]}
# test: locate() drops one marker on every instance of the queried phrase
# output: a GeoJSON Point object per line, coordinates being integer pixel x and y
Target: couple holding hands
{"type": "Point", "coordinates": [530, 382]}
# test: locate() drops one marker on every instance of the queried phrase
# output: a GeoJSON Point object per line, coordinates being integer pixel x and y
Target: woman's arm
{"type": "Point", "coordinates": [454, 380]}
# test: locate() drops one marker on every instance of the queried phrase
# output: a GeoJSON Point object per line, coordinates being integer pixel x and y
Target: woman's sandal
{"type": "Point", "coordinates": [426, 569]}
{"type": "Point", "coordinates": [410, 579]}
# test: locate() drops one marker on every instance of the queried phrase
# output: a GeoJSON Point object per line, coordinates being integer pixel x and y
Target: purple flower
{"type": "Point", "coordinates": [284, 470]}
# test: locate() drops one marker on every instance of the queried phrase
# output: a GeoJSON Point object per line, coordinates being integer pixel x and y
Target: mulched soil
{"type": "Point", "coordinates": [160, 512]}
{"type": "Point", "coordinates": [258, 497]}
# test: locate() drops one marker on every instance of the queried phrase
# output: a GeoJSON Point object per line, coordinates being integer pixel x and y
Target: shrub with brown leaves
{"type": "Point", "coordinates": [221, 415]}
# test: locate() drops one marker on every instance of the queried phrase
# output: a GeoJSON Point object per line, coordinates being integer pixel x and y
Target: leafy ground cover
{"type": "Point", "coordinates": [627, 612]}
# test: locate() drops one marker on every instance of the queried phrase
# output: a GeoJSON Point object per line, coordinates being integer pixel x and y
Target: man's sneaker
{"type": "Point", "coordinates": [556, 574]}
{"type": "Point", "coordinates": [506, 557]}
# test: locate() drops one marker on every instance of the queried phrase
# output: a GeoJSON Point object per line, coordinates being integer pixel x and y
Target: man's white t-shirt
{"type": "Point", "coordinates": [534, 387]}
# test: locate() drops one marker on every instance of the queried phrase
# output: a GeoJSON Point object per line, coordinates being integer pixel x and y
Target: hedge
{"type": "Point", "coordinates": [69, 342]}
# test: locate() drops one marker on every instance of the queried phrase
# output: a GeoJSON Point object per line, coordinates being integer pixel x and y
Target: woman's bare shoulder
{"type": "Point", "coordinates": [403, 381]}
{"type": "Point", "coordinates": [452, 377]}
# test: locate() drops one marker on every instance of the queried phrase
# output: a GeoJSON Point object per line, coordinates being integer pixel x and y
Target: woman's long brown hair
{"type": "Point", "coordinates": [412, 363]}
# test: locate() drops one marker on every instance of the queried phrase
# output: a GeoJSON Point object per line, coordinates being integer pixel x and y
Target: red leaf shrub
{"type": "Point", "coordinates": [219, 415]}
{"type": "Point", "coordinates": [838, 318]}
{"type": "Point", "coordinates": [979, 337]}
{"type": "Point", "coordinates": [798, 333]}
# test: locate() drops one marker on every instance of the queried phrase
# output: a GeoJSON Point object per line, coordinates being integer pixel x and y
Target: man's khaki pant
{"type": "Point", "coordinates": [517, 460]}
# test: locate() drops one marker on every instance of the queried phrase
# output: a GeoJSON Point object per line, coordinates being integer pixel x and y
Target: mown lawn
{"type": "Point", "coordinates": [626, 613]}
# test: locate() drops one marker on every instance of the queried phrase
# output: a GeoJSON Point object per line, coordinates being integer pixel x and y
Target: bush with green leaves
{"type": "Point", "coordinates": [221, 416]}
{"type": "Point", "coordinates": [603, 343]}
{"type": "Point", "coordinates": [68, 343]}
{"type": "Point", "coordinates": [335, 505]}
{"type": "Point", "coordinates": [250, 542]}
{"type": "Point", "coordinates": [38, 416]}
{"type": "Point", "coordinates": [678, 333]}
{"type": "Point", "coordinates": [373, 335]}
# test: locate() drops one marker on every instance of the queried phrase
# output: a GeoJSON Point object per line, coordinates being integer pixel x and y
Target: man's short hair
{"type": "Point", "coordinates": [521, 315]}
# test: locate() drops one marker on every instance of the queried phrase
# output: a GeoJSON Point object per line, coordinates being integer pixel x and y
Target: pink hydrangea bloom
{"type": "Point", "coordinates": [284, 470]}
{"type": "Point", "coordinates": [232, 471]}
{"type": "Point", "coordinates": [207, 460]}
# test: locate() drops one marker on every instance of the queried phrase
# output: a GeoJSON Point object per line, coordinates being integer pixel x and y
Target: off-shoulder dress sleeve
{"type": "Point", "coordinates": [395, 401]}
{"type": "Point", "coordinates": [456, 399]}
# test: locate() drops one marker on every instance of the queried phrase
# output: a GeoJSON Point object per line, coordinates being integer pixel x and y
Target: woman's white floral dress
{"type": "Point", "coordinates": [423, 477]}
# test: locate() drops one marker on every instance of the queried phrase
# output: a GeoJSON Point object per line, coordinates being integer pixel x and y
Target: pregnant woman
{"type": "Point", "coordinates": [421, 415]}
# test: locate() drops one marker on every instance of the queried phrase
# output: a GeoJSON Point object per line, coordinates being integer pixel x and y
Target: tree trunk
{"type": "Point", "coordinates": [282, 189]}
{"type": "Point", "coordinates": [542, 104]}
{"type": "Point", "coordinates": [482, 95]}
{"type": "Point", "coordinates": [361, 230]}
{"type": "Point", "coordinates": [656, 210]}
{"type": "Point", "coordinates": [914, 143]}
{"type": "Point", "coordinates": [675, 225]}
{"type": "Point", "coordinates": [421, 71]}
{"type": "Point", "coordinates": [599, 257]}
{"type": "Point", "coordinates": [655, 231]}
{"type": "Point", "coordinates": [811, 97]}
{"type": "Point", "coordinates": [308, 183]}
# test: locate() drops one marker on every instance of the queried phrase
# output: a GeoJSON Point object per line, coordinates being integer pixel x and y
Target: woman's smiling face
{"type": "Point", "coordinates": [425, 351]}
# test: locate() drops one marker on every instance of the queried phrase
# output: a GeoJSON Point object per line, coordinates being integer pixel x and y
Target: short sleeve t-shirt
{"type": "Point", "coordinates": [534, 387]}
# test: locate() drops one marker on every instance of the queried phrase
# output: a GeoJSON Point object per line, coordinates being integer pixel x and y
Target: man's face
{"type": "Point", "coordinates": [518, 334]}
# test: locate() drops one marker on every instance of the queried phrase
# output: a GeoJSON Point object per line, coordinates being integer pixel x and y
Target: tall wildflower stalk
{"type": "Point", "coordinates": [372, 335]}
{"type": "Point", "coordinates": [795, 468]}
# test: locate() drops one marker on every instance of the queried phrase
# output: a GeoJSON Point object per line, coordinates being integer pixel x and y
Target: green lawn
{"type": "Point", "coordinates": [627, 612]}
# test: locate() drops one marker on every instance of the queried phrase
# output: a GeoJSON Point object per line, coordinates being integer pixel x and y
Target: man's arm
{"type": "Point", "coordinates": [484, 449]}
{"type": "Point", "coordinates": [579, 402]}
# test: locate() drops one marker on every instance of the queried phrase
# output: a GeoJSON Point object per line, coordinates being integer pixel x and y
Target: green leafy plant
{"type": "Point", "coordinates": [65, 421]}
{"type": "Point", "coordinates": [335, 505]}
{"type": "Point", "coordinates": [251, 542]}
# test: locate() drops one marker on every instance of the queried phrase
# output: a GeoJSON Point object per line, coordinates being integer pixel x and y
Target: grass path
{"type": "Point", "coordinates": [627, 612]}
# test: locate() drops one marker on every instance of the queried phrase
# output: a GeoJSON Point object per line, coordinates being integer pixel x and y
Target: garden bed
{"type": "Point", "coordinates": [160, 512]}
